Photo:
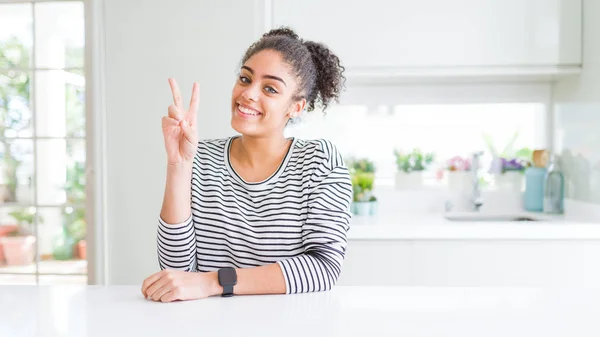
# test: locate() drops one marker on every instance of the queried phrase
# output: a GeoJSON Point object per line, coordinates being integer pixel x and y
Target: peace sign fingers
{"type": "Point", "coordinates": [192, 111]}
{"type": "Point", "coordinates": [176, 93]}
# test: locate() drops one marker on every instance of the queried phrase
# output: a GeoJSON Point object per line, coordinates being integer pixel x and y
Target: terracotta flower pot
{"type": "Point", "coordinates": [18, 250]}
{"type": "Point", "coordinates": [81, 249]}
{"type": "Point", "coordinates": [4, 230]}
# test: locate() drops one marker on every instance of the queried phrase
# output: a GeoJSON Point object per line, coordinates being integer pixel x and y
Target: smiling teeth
{"type": "Point", "coordinates": [248, 111]}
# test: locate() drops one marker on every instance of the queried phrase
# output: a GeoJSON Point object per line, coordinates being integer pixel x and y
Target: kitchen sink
{"type": "Point", "coordinates": [481, 216]}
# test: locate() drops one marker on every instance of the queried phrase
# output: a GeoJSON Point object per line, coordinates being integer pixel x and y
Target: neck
{"type": "Point", "coordinates": [253, 151]}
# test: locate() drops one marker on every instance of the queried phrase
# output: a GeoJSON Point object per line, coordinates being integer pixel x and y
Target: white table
{"type": "Point", "coordinates": [345, 311]}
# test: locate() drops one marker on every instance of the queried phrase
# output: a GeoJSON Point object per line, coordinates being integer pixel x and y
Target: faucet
{"type": "Point", "coordinates": [476, 198]}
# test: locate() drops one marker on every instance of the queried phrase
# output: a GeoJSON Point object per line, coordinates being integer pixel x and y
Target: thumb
{"type": "Point", "coordinates": [189, 132]}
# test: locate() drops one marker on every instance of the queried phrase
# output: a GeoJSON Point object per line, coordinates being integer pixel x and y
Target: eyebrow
{"type": "Point", "coordinates": [266, 76]}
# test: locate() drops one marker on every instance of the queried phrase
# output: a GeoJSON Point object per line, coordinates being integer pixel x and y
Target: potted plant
{"type": "Point", "coordinates": [362, 187]}
{"type": "Point", "coordinates": [511, 176]}
{"type": "Point", "coordinates": [76, 227]}
{"type": "Point", "coordinates": [362, 173]}
{"type": "Point", "coordinates": [18, 245]}
{"type": "Point", "coordinates": [77, 231]}
{"type": "Point", "coordinates": [457, 169]}
{"type": "Point", "coordinates": [63, 246]}
{"type": "Point", "coordinates": [6, 229]}
{"type": "Point", "coordinates": [373, 205]}
{"type": "Point", "coordinates": [410, 168]}
{"type": "Point", "coordinates": [508, 166]}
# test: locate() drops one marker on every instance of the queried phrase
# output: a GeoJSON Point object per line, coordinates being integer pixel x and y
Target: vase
{"type": "Point", "coordinates": [63, 248]}
{"type": "Point", "coordinates": [373, 207]}
{"type": "Point", "coordinates": [362, 208]}
{"type": "Point", "coordinates": [4, 231]}
{"type": "Point", "coordinates": [458, 180]}
{"type": "Point", "coordinates": [407, 181]}
{"type": "Point", "coordinates": [18, 250]}
{"type": "Point", "coordinates": [81, 249]}
{"type": "Point", "coordinates": [533, 197]}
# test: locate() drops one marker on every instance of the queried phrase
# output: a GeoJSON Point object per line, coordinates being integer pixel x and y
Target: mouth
{"type": "Point", "coordinates": [247, 111]}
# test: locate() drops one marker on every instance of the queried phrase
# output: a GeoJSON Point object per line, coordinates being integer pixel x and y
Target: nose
{"type": "Point", "coordinates": [251, 93]}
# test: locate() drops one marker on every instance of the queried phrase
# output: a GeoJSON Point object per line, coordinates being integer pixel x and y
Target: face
{"type": "Point", "coordinates": [262, 98]}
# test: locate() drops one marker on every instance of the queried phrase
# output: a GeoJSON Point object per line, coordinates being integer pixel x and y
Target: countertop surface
{"type": "Point", "coordinates": [52, 311]}
{"type": "Point", "coordinates": [464, 226]}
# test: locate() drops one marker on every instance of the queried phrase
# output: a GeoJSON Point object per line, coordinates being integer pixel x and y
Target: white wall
{"type": "Point", "coordinates": [148, 41]}
{"type": "Point", "coordinates": [577, 116]}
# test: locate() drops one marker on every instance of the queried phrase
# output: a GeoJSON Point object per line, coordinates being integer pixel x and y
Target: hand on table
{"type": "Point", "coordinates": [170, 285]}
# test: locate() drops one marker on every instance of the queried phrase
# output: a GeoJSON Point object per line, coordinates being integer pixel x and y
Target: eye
{"type": "Point", "coordinates": [244, 79]}
{"type": "Point", "coordinates": [270, 90]}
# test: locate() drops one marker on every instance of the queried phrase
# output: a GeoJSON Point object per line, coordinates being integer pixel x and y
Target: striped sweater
{"type": "Point", "coordinates": [298, 217]}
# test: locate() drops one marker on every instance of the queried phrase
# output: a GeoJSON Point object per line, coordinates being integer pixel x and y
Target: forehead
{"type": "Point", "coordinates": [269, 62]}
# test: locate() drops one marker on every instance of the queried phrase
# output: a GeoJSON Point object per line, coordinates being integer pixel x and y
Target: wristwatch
{"type": "Point", "coordinates": [227, 279]}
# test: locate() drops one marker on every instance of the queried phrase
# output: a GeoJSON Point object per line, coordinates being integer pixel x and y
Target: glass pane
{"type": "Point", "coordinates": [60, 102]}
{"type": "Point", "coordinates": [16, 38]}
{"type": "Point", "coordinates": [8, 279]}
{"type": "Point", "coordinates": [59, 34]}
{"type": "Point", "coordinates": [75, 104]}
{"type": "Point", "coordinates": [447, 131]}
{"type": "Point", "coordinates": [61, 171]}
{"type": "Point", "coordinates": [17, 239]}
{"type": "Point", "coordinates": [15, 104]}
{"type": "Point", "coordinates": [61, 233]}
{"type": "Point", "coordinates": [16, 171]}
{"type": "Point", "coordinates": [63, 279]}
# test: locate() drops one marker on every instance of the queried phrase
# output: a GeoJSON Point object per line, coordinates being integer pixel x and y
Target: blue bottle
{"type": "Point", "coordinates": [533, 198]}
{"type": "Point", "coordinates": [554, 188]}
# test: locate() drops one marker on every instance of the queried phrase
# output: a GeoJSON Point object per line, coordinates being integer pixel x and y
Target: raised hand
{"type": "Point", "coordinates": [179, 127]}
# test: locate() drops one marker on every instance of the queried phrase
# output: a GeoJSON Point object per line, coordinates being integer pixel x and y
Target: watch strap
{"type": "Point", "coordinates": [227, 279]}
{"type": "Point", "coordinates": [227, 290]}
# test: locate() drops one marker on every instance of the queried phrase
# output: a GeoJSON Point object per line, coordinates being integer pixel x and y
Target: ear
{"type": "Point", "coordinates": [297, 108]}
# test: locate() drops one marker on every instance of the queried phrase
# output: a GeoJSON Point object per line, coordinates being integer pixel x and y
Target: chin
{"type": "Point", "coordinates": [244, 128]}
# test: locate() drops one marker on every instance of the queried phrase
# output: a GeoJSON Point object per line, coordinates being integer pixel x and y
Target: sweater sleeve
{"type": "Point", "coordinates": [324, 236]}
{"type": "Point", "coordinates": [176, 245]}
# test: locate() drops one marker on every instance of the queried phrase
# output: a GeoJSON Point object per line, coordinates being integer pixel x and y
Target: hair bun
{"type": "Point", "coordinates": [330, 79]}
{"type": "Point", "coordinates": [282, 31]}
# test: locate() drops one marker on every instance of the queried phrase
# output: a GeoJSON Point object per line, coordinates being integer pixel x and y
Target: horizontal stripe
{"type": "Point", "coordinates": [298, 217]}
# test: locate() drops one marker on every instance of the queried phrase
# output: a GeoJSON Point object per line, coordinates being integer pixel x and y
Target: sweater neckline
{"type": "Point", "coordinates": [257, 184]}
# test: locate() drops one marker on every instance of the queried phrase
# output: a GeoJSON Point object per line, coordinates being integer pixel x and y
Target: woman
{"type": "Point", "coordinates": [268, 215]}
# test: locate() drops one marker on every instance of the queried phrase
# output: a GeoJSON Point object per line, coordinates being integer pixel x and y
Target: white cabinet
{"type": "Point", "coordinates": [472, 263]}
{"type": "Point", "coordinates": [391, 35]}
{"type": "Point", "coordinates": [505, 263]}
{"type": "Point", "coordinates": [377, 263]}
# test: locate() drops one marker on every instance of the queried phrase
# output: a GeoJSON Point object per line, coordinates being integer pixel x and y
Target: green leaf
{"type": "Point", "coordinates": [507, 152]}
{"type": "Point", "coordinates": [489, 142]}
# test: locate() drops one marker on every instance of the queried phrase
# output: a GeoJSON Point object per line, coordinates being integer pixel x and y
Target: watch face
{"type": "Point", "coordinates": [227, 276]}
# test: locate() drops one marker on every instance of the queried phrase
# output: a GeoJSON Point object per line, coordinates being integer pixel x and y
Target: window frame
{"type": "Point", "coordinates": [86, 69]}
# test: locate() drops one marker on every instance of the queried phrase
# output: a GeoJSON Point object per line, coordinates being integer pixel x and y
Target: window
{"type": "Point", "coordinates": [42, 143]}
{"type": "Point", "coordinates": [446, 129]}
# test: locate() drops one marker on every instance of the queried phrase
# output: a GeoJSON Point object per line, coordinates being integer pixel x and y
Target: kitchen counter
{"type": "Point", "coordinates": [52, 311]}
{"type": "Point", "coordinates": [436, 227]}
